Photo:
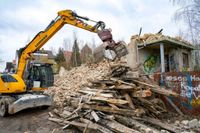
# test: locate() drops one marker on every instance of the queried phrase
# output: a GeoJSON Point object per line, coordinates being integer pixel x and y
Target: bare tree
{"type": "Point", "coordinates": [93, 44]}
{"type": "Point", "coordinates": [190, 14]}
{"type": "Point", "coordinates": [53, 50]}
{"type": "Point", "coordinates": [75, 57]}
{"type": "Point", "coordinates": [67, 44]}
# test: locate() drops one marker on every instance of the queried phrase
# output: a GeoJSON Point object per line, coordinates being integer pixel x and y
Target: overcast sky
{"type": "Point", "coordinates": [21, 20]}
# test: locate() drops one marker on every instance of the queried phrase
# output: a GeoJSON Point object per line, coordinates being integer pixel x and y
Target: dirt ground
{"type": "Point", "coordinates": [29, 121]}
{"type": "Point", "coordinates": [36, 121]}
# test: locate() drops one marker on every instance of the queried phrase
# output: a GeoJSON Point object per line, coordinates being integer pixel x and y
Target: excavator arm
{"type": "Point", "coordinates": [64, 17]}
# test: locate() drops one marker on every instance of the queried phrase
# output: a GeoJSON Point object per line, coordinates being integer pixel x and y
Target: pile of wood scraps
{"type": "Point", "coordinates": [116, 103]}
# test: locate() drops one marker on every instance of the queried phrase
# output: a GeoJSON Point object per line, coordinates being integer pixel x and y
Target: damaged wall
{"type": "Point", "coordinates": [174, 60]}
{"type": "Point", "coordinates": [183, 66]}
{"type": "Point", "coordinates": [177, 53]}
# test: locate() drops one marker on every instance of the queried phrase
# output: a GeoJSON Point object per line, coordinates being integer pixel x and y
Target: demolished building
{"type": "Point", "coordinates": [169, 61]}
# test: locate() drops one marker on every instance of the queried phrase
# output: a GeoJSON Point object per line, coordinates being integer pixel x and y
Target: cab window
{"type": "Point", "coordinates": [8, 78]}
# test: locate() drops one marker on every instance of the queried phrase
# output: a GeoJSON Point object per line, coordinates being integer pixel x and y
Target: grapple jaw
{"type": "Point", "coordinates": [120, 49]}
{"type": "Point", "coordinates": [103, 51]}
{"type": "Point", "coordinates": [109, 49]}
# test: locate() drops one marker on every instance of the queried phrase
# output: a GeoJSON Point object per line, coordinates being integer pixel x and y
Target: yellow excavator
{"type": "Point", "coordinates": [25, 88]}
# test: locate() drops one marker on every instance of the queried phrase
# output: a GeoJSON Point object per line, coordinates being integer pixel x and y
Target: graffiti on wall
{"type": "Point", "coordinates": [188, 87]}
{"type": "Point", "coordinates": [192, 93]}
{"type": "Point", "coordinates": [150, 64]}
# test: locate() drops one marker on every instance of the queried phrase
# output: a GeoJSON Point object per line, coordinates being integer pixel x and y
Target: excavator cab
{"type": "Point", "coordinates": [39, 76]}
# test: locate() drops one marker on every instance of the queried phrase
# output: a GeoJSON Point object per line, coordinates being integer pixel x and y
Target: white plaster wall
{"type": "Point", "coordinates": [132, 55]}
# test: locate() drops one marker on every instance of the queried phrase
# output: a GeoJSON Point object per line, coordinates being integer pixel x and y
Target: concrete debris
{"type": "Point", "coordinates": [188, 126]}
{"type": "Point", "coordinates": [164, 131]}
{"type": "Point", "coordinates": [199, 123]}
{"type": "Point", "coordinates": [148, 130]}
{"type": "Point", "coordinates": [193, 123]}
{"type": "Point", "coordinates": [177, 123]}
{"type": "Point", "coordinates": [185, 122]}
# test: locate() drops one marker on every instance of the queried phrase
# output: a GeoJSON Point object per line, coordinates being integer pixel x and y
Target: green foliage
{"type": "Point", "coordinates": [75, 58]}
{"type": "Point", "coordinates": [60, 58]}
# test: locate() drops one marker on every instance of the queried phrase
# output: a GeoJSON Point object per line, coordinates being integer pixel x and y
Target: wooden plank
{"type": "Point", "coordinates": [100, 128]}
{"type": "Point", "coordinates": [117, 127]}
{"type": "Point", "coordinates": [149, 105]}
{"type": "Point", "coordinates": [129, 121]}
{"type": "Point", "coordinates": [78, 116]}
{"type": "Point", "coordinates": [95, 116]}
{"type": "Point", "coordinates": [125, 112]}
{"type": "Point", "coordinates": [173, 105]}
{"type": "Point", "coordinates": [141, 93]}
{"type": "Point", "coordinates": [130, 102]}
{"type": "Point", "coordinates": [50, 114]}
{"type": "Point", "coordinates": [166, 126]}
{"type": "Point", "coordinates": [56, 120]}
{"type": "Point", "coordinates": [157, 89]}
{"type": "Point", "coordinates": [109, 95]}
{"type": "Point", "coordinates": [98, 90]}
{"type": "Point", "coordinates": [120, 81]}
{"type": "Point", "coordinates": [113, 106]}
{"type": "Point", "coordinates": [78, 124]}
{"type": "Point", "coordinates": [99, 82]}
{"type": "Point", "coordinates": [123, 87]}
{"type": "Point", "coordinates": [110, 100]}
{"type": "Point", "coordinates": [65, 114]}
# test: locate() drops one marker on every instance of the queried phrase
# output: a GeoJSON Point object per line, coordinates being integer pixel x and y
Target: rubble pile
{"type": "Point", "coordinates": [149, 37]}
{"type": "Point", "coordinates": [110, 99]}
{"type": "Point", "coordinates": [69, 82]}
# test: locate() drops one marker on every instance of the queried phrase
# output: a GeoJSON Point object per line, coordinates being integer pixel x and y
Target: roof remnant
{"type": "Point", "coordinates": [150, 39]}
